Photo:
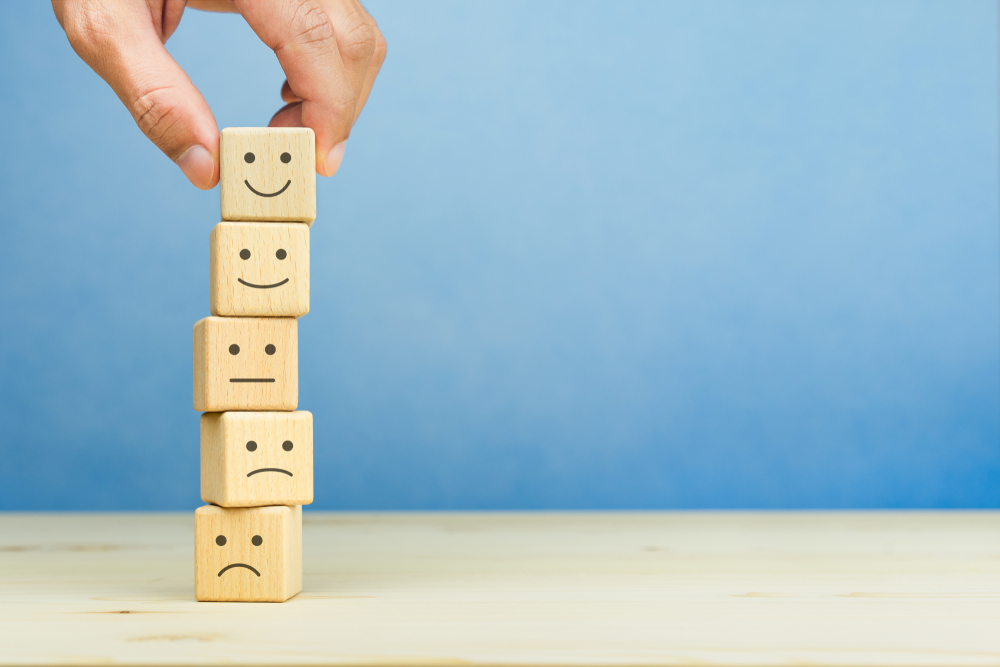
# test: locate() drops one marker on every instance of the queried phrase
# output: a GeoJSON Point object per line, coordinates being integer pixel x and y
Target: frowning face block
{"type": "Point", "coordinates": [245, 363]}
{"type": "Point", "coordinates": [259, 269]}
{"type": "Point", "coordinates": [250, 459]}
{"type": "Point", "coordinates": [268, 174]}
{"type": "Point", "coordinates": [247, 555]}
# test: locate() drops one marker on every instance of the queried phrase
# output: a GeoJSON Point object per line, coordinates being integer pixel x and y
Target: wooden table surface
{"type": "Point", "coordinates": [518, 589]}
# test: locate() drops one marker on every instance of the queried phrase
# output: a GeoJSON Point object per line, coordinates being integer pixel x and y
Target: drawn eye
{"type": "Point", "coordinates": [221, 540]}
{"type": "Point", "coordinates": [287, 445]}
{"type": "Point", "coordinates": [244, 254]}
{"type": "Point", "coordinates": [281, 254]}
{"type": "Point", "coordinates": [248, 158]}
{"type": "Point", "coordinates": [251, 446]}
{"type": "Point", "coordinates": [234, 349]}
{"type": "Point", "coordinates": [270, 349]}
{"type": "Point", "coordinates": [257, 540]}
{"type": "Point", "coordinates": [286, 158]}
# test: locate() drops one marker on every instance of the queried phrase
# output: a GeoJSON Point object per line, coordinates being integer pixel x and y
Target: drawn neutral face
{"type": "Point", "coordinates": [251, 459]}
{"type": "Point", "coordinates": [245, 363]}
{"type": "Point", "coordinates": [268, 174]}
{"type": "Point", "coordinates": [246, 554]}
{"type": "Point", "coordinates": [259, 269]}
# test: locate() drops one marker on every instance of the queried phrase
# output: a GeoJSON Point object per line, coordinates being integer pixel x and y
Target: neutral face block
{"type": "Point", "coordinates": [268, 173]}
{"type": "Point", "coordinates": [251, 459]}
{"type": "Point", "coordinates": [248, 554]}
{"type": "Point", "coordinates": [245, 363]}
{"type": "Point", "coordinates": [259, 269]}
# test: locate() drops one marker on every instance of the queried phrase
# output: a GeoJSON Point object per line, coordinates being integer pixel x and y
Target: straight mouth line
{"type": "Point", "coordinates": [254, 472]}
{"type": "Point", "coordinates": [262, 194]}
{"type": "Point", "coordinates": [262, 286]}
{"type": "Point", "coordinates": [238, 565]}
{"type": "Point", "coordinates": [251, 379]}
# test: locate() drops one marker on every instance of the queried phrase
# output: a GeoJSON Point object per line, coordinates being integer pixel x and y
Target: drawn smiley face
{"type": "Point", "coordinates": [280, 253]}
{"type": "Point", "coordinates": [251, 459]}
{"type": "Point", "coordinates": [249, 157]}
{"type": "Point", "coordinates": [251, 554]}
{"type": "Point", "coordinates": [259, 269]}
{"type": "Point", "coordinates": [245, 363]}
{"type": "Point", "coordinates": [268, 174]}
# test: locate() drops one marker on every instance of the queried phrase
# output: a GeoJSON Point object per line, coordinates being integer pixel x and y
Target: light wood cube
{"type": "Point", "coordinates": [246, 363]}
{"type": "Point", "coordinates": [248, 554]}
{"type": "Point", "coordinates": [259, 269]}
{"type": "Point", "coordinates": [250, 459]}
{"type": "Point", "coordinates": [268, 173]}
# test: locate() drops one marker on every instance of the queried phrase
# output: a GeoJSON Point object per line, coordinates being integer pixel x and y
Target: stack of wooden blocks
{"type": "Point", "coordinates": [256, 449]}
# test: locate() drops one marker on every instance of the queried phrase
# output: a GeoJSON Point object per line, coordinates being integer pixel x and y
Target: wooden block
{"type": "Point", "coordinates": [246, 363]}
{"type": "Point", "coordinates": [251, 554]}
{"type": "Point", "coordinates": [250, 459]}
{"type": "Point", "coordinates": [268, 173]}
{"type": "Point", "coordinates": [259, 269]}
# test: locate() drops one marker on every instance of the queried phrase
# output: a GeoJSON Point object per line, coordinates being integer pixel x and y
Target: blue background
{"type": "Point", "coordinates": [579, 255]}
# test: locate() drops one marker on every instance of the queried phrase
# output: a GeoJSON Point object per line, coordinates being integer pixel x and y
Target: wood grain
{"type": "Point", "coordinates": [246, 363]}
{"type": "Point", "coordinates": [259, 269]}
{"type": "Point", "coordinates": [251, 554]}
{"type": "Point", "coordinates": [250, 459]}
{"type": "Point", "coordinates": [689, 588]}
{"type": "Point", "coordinates": [268, 174]}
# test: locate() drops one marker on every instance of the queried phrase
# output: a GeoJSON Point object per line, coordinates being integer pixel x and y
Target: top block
{"type": "Point", "coordinates": [268, 173]}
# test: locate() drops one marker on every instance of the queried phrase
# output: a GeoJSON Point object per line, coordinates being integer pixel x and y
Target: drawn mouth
{"type": "Point", "coordinates": [264, 194]}
{"type": "Point", "coordinates": [254, 472]}
{"type": "Point", "coordinates": [243, 282]}
{"type": "Point", "coordinates": [229, 567]}
{"type": "Point", "coordinates": [251, 379]}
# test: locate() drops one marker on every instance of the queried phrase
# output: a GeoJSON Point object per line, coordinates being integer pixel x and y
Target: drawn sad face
{"type": "Point", "coordinates": [251, 459]}
{"type": "Point", "coordinates": [259, 269]}
{"type": "Point", "coordinates": [247, 554]}
{"type": "Point", "coordinates": [268, 174]}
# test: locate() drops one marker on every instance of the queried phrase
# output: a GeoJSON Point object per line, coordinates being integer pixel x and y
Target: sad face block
{"type": "Point", "coordinates": [268, 173]}
{"type": "Point", "coordinates": [247, 555]}
{"type": "Point", "coordinates": [243, 363]}
{"type": "Point", "coordinates": [250, 459]}
{"type": "Point", "coordinates": [259, 269]}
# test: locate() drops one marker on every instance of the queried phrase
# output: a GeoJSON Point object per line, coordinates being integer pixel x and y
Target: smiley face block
{"type": "Point", "coordinates": [259, 269]}
{"type": "Point", "coordinates": [247, 555]}
{"type": "Point", "coordinates": [246, 363]}
{"type": "Point", "coordinates": [268, 173]}
{"type": "Point", "coordinates": [250, 459]}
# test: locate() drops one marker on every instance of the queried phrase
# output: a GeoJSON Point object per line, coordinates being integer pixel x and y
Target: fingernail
{"type": "Point", "coordinates": [333, 159]}
{"type": "Point", "coordinates": [198, 165]}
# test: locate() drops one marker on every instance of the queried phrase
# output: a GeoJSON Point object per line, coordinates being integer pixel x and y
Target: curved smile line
{"type": "Point", "coordinates": [262, 194]}
{"type": "Point", "coordinates": [228, 567]}
{"type": "Point", "coordinates": [254, 472]}
{"type": "Point", "coordinates": [251, 379]}
{"type": "Point", "coordinates": [243, 282]}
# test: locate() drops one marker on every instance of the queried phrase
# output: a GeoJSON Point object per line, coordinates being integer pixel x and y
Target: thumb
{"type": "Point", "coordinates": [120, 42]}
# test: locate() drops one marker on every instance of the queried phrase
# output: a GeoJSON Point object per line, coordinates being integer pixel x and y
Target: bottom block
{"type": "Point", "coordinates": [250, 554]}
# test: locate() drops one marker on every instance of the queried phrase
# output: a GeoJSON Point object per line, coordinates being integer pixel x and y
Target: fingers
{"type": "Point", "coordinates": [212, 5]}
{"type": "Point", "coordinates": [121, 41]}
{"type": "Point", "coordinates": [287, 95]}
{"type": "Point", "coordinates": [378, 57]}
{"type": "Point", "coordinates": [325, 49]}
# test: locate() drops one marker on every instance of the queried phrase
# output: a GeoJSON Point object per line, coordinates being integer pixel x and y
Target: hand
{"type": "Point", "coordinates": [330, 50]}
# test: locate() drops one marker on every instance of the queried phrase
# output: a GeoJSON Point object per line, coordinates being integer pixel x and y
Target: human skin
{"type": "Point", "coordinates": [330, 51]}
